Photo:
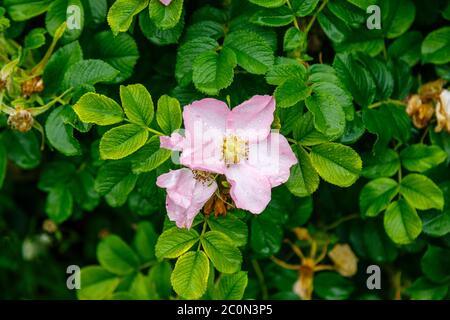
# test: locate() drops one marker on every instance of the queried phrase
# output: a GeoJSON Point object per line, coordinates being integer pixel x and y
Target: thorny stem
{"type": "Point", "coordinates": [422, 139]}
{"type": "Point", "coordinates": [155, 131]}
{"type": "Point", "coordinates": [310, 24]}
{"type": "Point", "coordinates": [40, 110]}
{"type": "Point", "coordinates": [380, 103]}
{"type": "Point", "coordinates": [261, 280]}
{"type": "Point", "coordinates": [296, 249]}
{"type": "Point", "coordinates": [285, 265]}
{"type": "Point", "coordinates": [340, 221]}
{"type": "Point", "coordinates": [295, 18]}
{"type": "Point", "coordinates": [39, 68]}
{"type": "Point", "coordinates": [203, 232]}
{"type": "Point", "coordinates": [323, 254]}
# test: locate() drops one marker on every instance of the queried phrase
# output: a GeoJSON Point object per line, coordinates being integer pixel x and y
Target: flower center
{"type": "Point", "coordinates": [202, 176]}
{"type": "Point", "coordinates": [234, 149]}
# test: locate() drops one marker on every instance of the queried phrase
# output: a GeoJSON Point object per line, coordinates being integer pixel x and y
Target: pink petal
{"type": "Point", "coordinates": [253, 118]}
{"type": "Point", "coordinates": [165, 2]}
{"type": "Point", "coordinates": [185, 195]}
{"type": "Point", "coordinates": [272, 158]}
{"type": "Point", "coordinates": [206, 114]}
{"type": "Point", "coordinates": [205, 123]}
{"type": "Point", "coordinates": [174, 142]}
{"type": "Point", "coordinates": [249, 189]}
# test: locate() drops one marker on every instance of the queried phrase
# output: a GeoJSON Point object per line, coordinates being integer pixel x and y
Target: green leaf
{"type": "Point", "coordinates": [122, 141]}
{"type": "Point", "coordinates": [332, 286]}
{"type": "Point", "coordinates": [88, 72]}
{"type": "Point", "coordinates": [174, 242]}
{"type": "Point", "coordinates": [266, 237]}
{"type": "Point", "coordinates": [121, 13]}
{"type": "Point", "coordinates": [407, 48]}
{"type": "Point", "coordinates": [396, 17]}
{"type": "Point", "coordinates": [165, 17]}
{"type": "Point", "coordinates": [252, 52]}
{"type": "Point", "coordinates": [231, 226]}
{"type": "Point", "coordinates": [96, 283]}
{"type": "Point", "coordinates": [159, 36]}
{"type": "Point", "coordinates": [116, 256]}
{"type": "Point", "coordinates": [82, 188]}
{"type": "Point", "coordinates": [159, 276]}
{"type": "Point", "coordinates": [383, 164]}
{"type": "Point", "coordinates": [59, 203]}
{"type": "Point", "coordinates": [401, 222]}
{"type": "Point", "coordinates": [190, 276]}
{"type": "Point", "coordinates": [186, 55]}
{"type": "Point", "coordinates": [376, 196]}
{"type": "Point", "coordinates": [149, 157]}
{"type": "Point", "coordinates": [278, 17]}
{"type": "Point", "coordinates": [280, 73]}
{"type": "Point", "coordinates": [304, 8]}
{"type": "Point", "coordinates": [98, 109]}
{"type": "Point", "coordinates": [294, 39]}
{"type": "Point", "coordinates": [382, 76]}
{"type": "Point", "coordinates": [3, 164]}
{"type": "Point", "coordinates": [115, 181]}
{"type": "Point", "coordinates": [120, 52]}
{"type": "Point", "coordinates": [22, 148]}
{"type": "Point", "coordinates": [420, 157]}
{"type": "Point", "coordinates": [268, 3]}
{"type": "Point", "coordinates": [305, 132]}
{"type": "Point", "coordinates": [168, 114]}
{"type": "Point", "coordinates": [336, 163]}
{"type": "Point", "coordinates": [137, 103]}
{"type": "Point", "coordinates": [436, 224]}
{"type": "Point", "coordinates": [222, 252]}
{"type": "Point", "coordinates": [58, 65]}
{"type": "Point", "coordinates": [58, 14]}
{"type": "Point", "coordinates": [145, 241]}
{"type": "Point", "coordinates": [214, 71]}
{"type": "Point", "coordinates": [436, 264]}
{"type": "Point", "coordinates": [231, 286]}
{"type": "Point", "coordinates": [436, 47]}
{"type": "Point", "coordinates": [35, 39]}
{"type": "Point", "coordinates": [21, 10]}
{"type": "Point", "coordinates": [387, 122]}
{"type": "Point", "coordinates": [304, 179]}
{"type": "Point", "coordinates": [356, 79]}
{"type": "Point", "coordinates": [421, 192]}
{"type": "Point", "coordinates": [424, 289]}
{"type": "Point", "coordinates": [329, 116]}
{"type": "Point", "coordinates": [59, 134]}
{"type": "Point", "coordinates": [291, 92]}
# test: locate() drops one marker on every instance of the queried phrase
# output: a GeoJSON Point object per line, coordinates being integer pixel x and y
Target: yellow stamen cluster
{"type": "Point", "coordinates": [234, 149]}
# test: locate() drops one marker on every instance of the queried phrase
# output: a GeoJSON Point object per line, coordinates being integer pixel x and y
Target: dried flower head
{"type": "Point", "coordinates": [49, 226]}
{"type": "Point", "coordinates": [420, 113]}
{"type": "Point", "coordinates": [345, 261]}
{"type": "Point", "coordinates": [33, 85]}
{"type": "Point", "coordinates": [21, 120]}
{"type": "Point", "coordinates": [431, 90]}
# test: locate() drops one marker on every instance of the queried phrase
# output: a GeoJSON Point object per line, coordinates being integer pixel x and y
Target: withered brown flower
{"type": "Point", "coordinates": [21, 120]}
{"type": "Point", "coordinates": [33, 85]}
{"type": "Point", "coordinates": [345, 261]}
{"type": "Point", "coordinates": [420, 113]}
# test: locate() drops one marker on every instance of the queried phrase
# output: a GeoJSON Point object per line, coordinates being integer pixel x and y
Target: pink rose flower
{"type": "Point", "coordinates": [165, 2]}
{"type": "Point", "coordinates": [235, 143]}
{"type": "Point", "coordinates": [186, 195]}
